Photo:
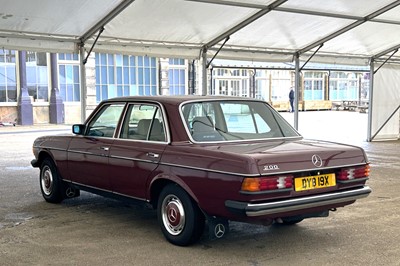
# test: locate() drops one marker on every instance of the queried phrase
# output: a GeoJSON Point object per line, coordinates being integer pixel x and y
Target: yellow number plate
{"type": "Point", "coordinates": [313, 182]}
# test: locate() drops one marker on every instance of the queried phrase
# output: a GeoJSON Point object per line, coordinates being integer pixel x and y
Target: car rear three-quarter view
{"type": "Point", "coordinates": [198, 159]}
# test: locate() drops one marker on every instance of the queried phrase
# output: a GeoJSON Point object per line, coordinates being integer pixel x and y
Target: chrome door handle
{"type": "Point", "coordinates": [153, 155]}
{"type": "Point", "coordinates": [105, 148]}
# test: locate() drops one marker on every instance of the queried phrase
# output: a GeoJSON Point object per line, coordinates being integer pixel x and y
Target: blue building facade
{"type": "Point", "coordinates": [116, 75]}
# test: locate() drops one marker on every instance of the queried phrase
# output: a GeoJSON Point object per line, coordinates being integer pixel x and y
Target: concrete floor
{"type": "Point", "coordinates": [92, 230]}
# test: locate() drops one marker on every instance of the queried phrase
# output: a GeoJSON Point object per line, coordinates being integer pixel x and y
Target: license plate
{"type": "Point", "coordinates": [314, 182]}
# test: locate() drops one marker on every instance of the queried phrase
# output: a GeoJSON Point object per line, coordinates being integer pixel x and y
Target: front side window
{"type": "Point", "coordinates": [233, 121]}
{"type": "Point", "coordinates": [105, 122]}
{"type": "Point", "coordinates": [143, 122]}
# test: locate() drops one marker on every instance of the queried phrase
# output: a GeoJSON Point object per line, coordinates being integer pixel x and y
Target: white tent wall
{"type": "Point", "coordinates": [386, 99]}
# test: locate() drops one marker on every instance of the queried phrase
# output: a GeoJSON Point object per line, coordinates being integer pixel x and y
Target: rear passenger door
{"type": "Point", "coordinates": [137, 150]}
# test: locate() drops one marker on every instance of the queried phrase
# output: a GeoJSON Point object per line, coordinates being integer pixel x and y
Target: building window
{"type": "Point", "coordinates": [364, 85]}
{"type": "Point", "coordinates": [8, 83]}
{"type": "Point", "coordinates": [147, 75]}
{"type": "Point", "coordinates": [262, 85]}
{"type": "Point", "coordinates": [343, 86]}
{"type": "Point", "coordinates": [313, 86]}
{"type": "Point", "coordinates": [69, 77]}
{"type": "Point", "coordinates": [232, 82]}
{"type": "Point", "coordinates": [177, 76]}
{"type": "Point", "coordinates": [280, 81]}
{"type": "Point", "coordinates": [220, 87]}
{"type": "Point", "coordinates": [245, 88]}
{"type": "Point", "coordinates": [68, 57]}
{"type": "Point", "coordinates": [262, 89]}
{"type": "Point", "coordinates": [37, 76]}
{"type": "Point", "coordinates": [124, 75]}
{"type": "Point", "coordinates": [235, 87]}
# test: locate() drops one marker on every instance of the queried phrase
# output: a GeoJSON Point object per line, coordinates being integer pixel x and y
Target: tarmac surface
{"type": "Point", "coordinates": [92, 230]}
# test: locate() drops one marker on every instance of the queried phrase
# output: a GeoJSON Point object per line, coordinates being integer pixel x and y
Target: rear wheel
{"type": "Point", "coordinates": [180, 219]}
{"type": "Point", "coordinates": [291, 221]}
{"type": "Point", "coordinates": [50, 183]}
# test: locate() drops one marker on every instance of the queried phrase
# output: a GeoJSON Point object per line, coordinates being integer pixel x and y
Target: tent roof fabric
{"type": "Point", "coordinates": [260, 30]}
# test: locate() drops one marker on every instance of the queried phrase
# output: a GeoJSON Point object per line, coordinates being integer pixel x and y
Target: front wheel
{"type": "Point", "coordinates": [180, 219]}
{"type": "Point", "coordinates": [50, 183]}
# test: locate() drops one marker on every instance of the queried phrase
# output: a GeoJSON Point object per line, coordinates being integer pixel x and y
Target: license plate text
{"type": "Point", "coordinates": [314, 182]}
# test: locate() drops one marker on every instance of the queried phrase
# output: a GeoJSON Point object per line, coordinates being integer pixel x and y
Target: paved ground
{"type": "Point", "coordinates": [92, 230]}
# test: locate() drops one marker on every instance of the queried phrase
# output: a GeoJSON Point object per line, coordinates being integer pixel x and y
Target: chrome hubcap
{"type": "Point", "coordinates": [173, 215]}
{"type": "Point", "coordinates": [47, 181]}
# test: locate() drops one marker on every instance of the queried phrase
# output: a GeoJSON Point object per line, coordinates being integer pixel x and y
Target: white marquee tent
{"type": "Point", "coordinates": [363, 32]}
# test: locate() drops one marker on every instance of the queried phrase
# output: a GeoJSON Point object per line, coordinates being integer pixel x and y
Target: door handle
{"type": "Point", "coordinates": [153, 155]}
{"type": "Point", "coordinates": [105, 148]}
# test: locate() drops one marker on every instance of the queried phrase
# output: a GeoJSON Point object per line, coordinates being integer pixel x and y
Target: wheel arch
{"type": "Point", "coordinates": [161, 181]}
{"type": "Point", "coordinates": [44, 154]}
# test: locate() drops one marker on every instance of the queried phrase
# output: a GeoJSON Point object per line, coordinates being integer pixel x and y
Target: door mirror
{"type": "Point", "coordinates": [78, 129]}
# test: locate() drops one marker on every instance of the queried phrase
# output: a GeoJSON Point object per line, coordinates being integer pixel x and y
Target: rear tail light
{"type": "Point", "coordinates": [271, 183]}
{"type": "Point", "coordinates": [353, 173]}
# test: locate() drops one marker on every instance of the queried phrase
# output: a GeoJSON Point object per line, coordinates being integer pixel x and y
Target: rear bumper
{"type": "Point", "coordinates": [297, 204]}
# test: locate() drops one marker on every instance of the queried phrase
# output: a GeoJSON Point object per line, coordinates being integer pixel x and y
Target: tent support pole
{"type": "Point", "coordinates": [296, 91]}
{"type": "Point", "coordinates": [371, 97]}
{"type": "Point", "coordinates": [204, 72]}
{"type": "Point", "coordinates": [83, 81]}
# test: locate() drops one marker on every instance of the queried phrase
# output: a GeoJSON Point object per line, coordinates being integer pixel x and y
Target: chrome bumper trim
{"type": "Point", "coordinates": [287, 205]}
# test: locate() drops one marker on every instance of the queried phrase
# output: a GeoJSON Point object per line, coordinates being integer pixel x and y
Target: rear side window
{"type": "Point", "coordinates": [105, 122]}
{"type": "Point", "coordinates": [143, 122]}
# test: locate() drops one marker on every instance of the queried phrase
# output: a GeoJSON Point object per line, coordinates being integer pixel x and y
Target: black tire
{"type": "Point", "coordinates": [180, 219]}
{"type": "Point", "coordinates": [291, 221]}
{"type": "Point", "coordinates": [50, 183]}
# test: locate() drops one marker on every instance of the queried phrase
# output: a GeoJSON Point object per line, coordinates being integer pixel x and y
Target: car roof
{"type": "Point", "coordinates": [176, 99]}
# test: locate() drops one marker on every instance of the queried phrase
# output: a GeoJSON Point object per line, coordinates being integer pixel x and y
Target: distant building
{"type": "Point", "coordinates": [42, 85]}
{"type": "Point", "coordinates": [108, 75]}
{"type": "Point", "coordinates": [318, 87]}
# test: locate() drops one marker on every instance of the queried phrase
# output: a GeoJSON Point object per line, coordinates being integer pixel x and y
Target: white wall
{"type": "Point", "coordinates": [386, 99]}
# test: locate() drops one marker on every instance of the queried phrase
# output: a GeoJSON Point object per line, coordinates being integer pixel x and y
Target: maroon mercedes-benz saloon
{"type": "Point", "coordinates": [197, 158]}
